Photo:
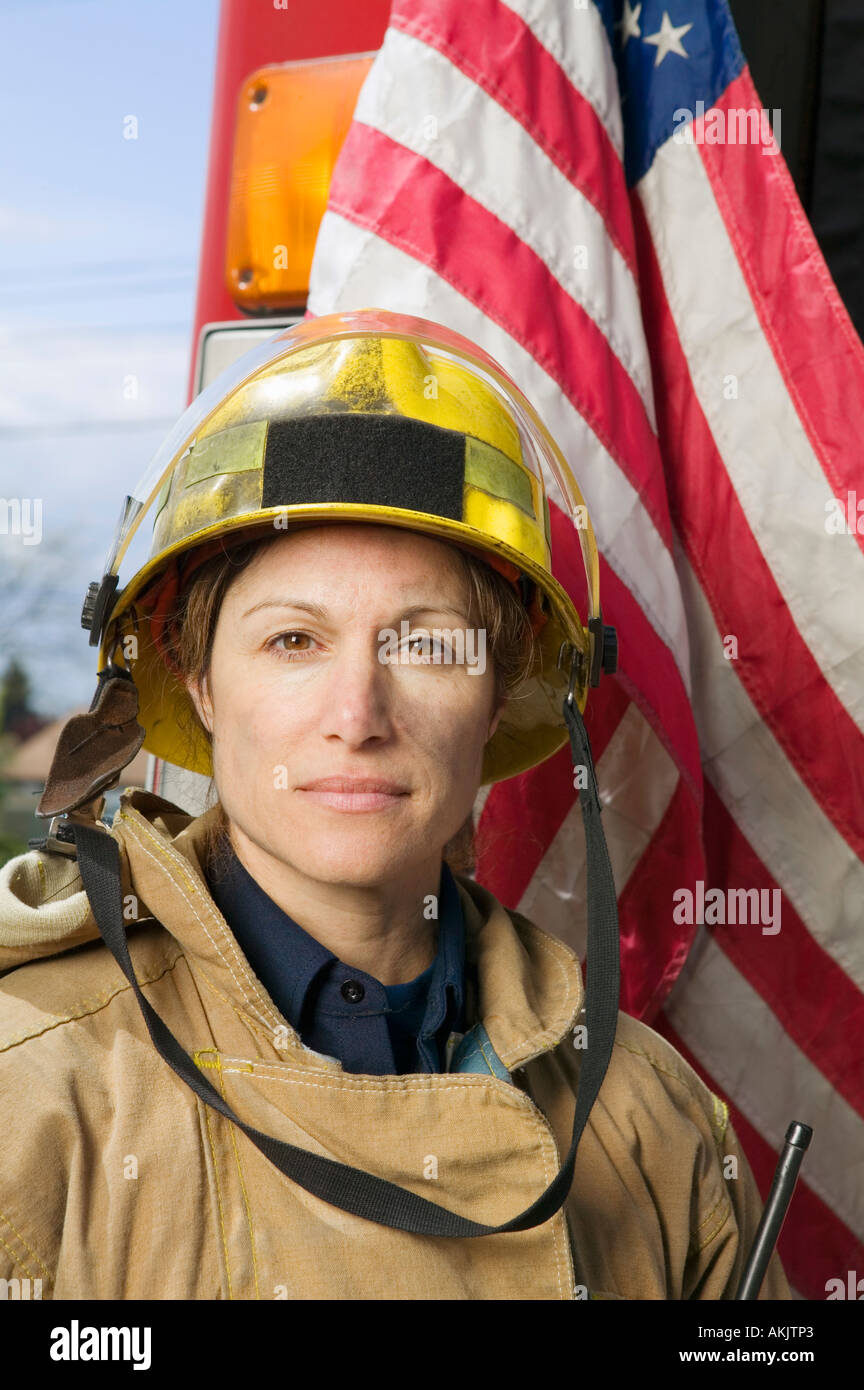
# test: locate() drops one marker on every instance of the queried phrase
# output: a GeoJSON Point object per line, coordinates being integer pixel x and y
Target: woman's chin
{"type": "Point", "coordinates": [324, 858]}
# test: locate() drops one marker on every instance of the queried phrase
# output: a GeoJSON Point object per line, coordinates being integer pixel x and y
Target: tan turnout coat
{"type": "Point", "coordinates": [116, 1182]}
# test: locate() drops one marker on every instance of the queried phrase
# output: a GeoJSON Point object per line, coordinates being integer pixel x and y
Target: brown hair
{"type": "Point", "coordinates": [492, 604]}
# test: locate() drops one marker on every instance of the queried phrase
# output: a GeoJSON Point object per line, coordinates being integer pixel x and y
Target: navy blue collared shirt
{"type": "Point", "coordinates": [341, 1011]}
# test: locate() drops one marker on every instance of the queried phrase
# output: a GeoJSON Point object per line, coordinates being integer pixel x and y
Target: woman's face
{"type": "Point", "coordinates": [297, 692]}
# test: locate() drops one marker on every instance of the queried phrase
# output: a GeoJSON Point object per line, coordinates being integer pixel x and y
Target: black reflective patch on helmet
{"type": "Point", "coordinates": [379, 460]}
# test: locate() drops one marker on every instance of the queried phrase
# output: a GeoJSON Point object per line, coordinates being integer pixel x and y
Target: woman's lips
{"type": "Point", "coordinates": [343, 795]}
{"type": "Point", "coordinates": [354, 801]}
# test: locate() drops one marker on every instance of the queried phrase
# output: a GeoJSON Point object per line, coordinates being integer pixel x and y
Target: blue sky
{"type": "Point", "coordinates": [99, 245]}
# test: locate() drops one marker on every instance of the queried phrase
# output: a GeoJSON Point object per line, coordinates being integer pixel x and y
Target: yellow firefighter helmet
{"type": "Point", "coordinates": [366, 416]}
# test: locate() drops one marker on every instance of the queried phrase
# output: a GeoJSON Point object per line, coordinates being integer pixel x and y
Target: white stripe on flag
{"type": "Point", "coordinates": [637, 780]}
{"type": "Point", "coordinates": [743, 1046]}
{"type": "Point", "coordinates": [433, 109]}
{"type": "Point", "coordinates": [575, 37]}
{"type": "Point", "coordinates": [354, 267]}
{"type": "Point", "coordinates": [808, 858]}
{"type": "Point", "coordinates": [770, 462]}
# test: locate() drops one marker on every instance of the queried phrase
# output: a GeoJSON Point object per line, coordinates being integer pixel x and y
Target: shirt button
{"type": "Point", "coordinates": [353, 991]}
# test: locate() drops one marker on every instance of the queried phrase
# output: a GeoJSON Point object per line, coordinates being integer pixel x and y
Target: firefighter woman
{"type": "Point", "coordinates": [289, 1048]}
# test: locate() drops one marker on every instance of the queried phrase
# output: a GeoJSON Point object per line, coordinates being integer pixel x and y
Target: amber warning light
{"type": "Point", "coordinates": [291, 123]}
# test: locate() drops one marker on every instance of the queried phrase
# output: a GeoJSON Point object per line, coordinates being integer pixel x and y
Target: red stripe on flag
{"type": "Point", "coordinates": [794, 295]}
{"type": "Point", "coordinates": [486, 38]}
{"type": "Point", "coordinates": [648, 673]}
{"type": "Point", "coordinates": [814, 1245]}
{"type": "Point", "coordinates": [651, 960]}
{"type": "Point", "coordinates": [408, 202]}
{"type": "Point", "coordinates": [523, 814]}
{"type": "Point", "coordinates": [774, 665]}
{"type": "Point", "coordinates": [818, 1005]}
{"type": "Point", "coordinates": [646, 667]}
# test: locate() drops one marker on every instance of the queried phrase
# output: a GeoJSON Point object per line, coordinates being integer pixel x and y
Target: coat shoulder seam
{"type": "Point", "coordinates": [718, 1121]}
{"type": "Point", "coordinates": [84, 1008]}
{"type": "Point", "coordinates": [719, 1117]}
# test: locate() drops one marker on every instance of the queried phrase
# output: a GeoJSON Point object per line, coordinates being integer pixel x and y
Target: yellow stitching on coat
{"type": "Point", "coordinates": [640, 1052]}
{"type": "Point", "coordinates": [552, 1033]}
{"type": "Point", "coordinates": [232, 1128]}
{"type": "Point", "coordinates": [183, 866]}
{"type": "Point", "coordinates": [684, 1081]}
{"type": "Point", "coordinates": [460, 1081]}
{"type": "Point", "coordinates": [28, 1248]}
{"type": "Point", "coordinates": [164, 850]}
{"type": "Point", "coordinates": [549, 1134]}
{"type": "Point", "coordinates": [723, 1121]}
{"type": "Point", "coordinates": [18, 1039]}
{"type": "Point", "coordinates": [708, 1239]}
{"type": "Point", "coordinates": [706, 1219]}
{"type": "Point", "coordinates": [218, 1198]}
{"type": "Point", "coordinates": [254, 1024]}
{"type": "Point", "coordinates": [545, 1128]}
{"type": "Point", "coordinates": [17, 1258]}
{"type": "Point", "coordinates": [20, 1264]}
{"type": "Point", "coordinates": [560, 1239]}
{"type": "Point", "coordinates": [557, 1243]}
{"type": "Point", "coordinates": [217, 1064]}
{"type": "Point", "coordinates": [676, 1076]}
{"type": "Point", "coordinates": [485, 1055]}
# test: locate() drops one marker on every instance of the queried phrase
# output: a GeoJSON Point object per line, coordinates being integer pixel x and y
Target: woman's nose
{"type": "Point", "coordinates": [356, 697]}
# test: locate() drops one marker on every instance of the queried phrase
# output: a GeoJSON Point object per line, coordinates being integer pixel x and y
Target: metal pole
{"type": "Point", "coordinates": [798, 1136]}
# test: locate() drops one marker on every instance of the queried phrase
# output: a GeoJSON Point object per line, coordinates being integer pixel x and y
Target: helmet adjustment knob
{"type": "Point", "coordinates": [96, 604]}
{"type": "Point", "coordinates": [88, 612]}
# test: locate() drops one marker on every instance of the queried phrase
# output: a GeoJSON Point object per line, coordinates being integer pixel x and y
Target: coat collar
{"type": "Point", "coordinates": [267, 935]}
{"type": "Point", "coordinates": [529, 982]}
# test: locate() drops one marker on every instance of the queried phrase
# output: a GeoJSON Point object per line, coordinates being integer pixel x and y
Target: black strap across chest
{"type": "Point", "coordinates": [352, 1189]}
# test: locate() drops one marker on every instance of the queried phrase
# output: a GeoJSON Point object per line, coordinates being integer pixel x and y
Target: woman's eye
{"type": "Point", "coordinates": [423, 646]}
{"type": "Point", "coordinates": [291, 649]}
{"type": "Point", "coordinates": [418, 648]}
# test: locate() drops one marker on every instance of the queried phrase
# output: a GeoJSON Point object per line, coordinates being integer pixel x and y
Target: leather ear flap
{"type": "Point", "coordinates": [94, 748]}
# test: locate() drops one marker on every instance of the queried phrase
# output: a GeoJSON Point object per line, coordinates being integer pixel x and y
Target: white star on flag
{"type": "Point", "coordinates": [668, 39]}
{"type": "Point", "coordinates": [629, 23]}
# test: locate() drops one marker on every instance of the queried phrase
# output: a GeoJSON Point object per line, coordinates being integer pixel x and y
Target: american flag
{"type": "Point", "coordinates": [576, 185]}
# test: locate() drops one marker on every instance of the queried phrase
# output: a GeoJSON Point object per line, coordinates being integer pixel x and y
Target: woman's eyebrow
{"type": "Point", "coordinates": [314, 608]}
{"type": "Point", "coordinates": [317, 611]}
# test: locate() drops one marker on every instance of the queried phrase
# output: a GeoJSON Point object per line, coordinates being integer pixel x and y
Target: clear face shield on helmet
{"type": "Point", "coordinates": [456, 452]}
{"type": "Point", "coordinates": [540, 453]}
